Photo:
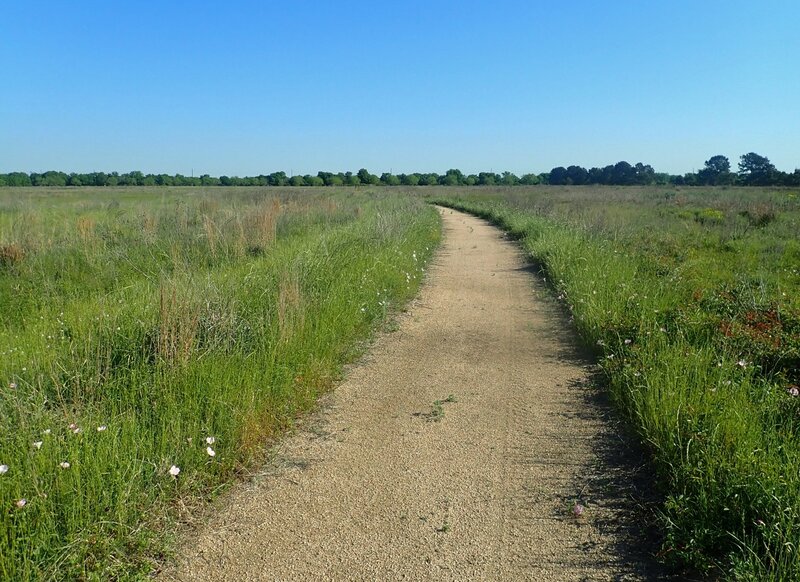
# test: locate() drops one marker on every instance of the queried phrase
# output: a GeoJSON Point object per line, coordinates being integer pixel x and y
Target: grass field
{"type": "Point", "coordinates": [691, 299]}
{"type": "Point", "coordinates": [152, 340]}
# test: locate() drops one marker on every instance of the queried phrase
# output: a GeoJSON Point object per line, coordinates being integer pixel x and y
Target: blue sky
{"type": "Point", "coordinates": [244, 88]}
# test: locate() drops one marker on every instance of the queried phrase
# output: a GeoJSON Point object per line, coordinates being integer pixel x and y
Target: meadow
{"type": "Point", "coordinates": [152, 341]}
{"type": "Point", "coordinates": [691, 300]}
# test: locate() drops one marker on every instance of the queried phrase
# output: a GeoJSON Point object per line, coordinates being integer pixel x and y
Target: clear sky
{"type": "Point", "coordinates": [251, 87]}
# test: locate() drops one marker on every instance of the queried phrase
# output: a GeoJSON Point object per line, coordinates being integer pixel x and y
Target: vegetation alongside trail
{"type": "Point", "coordinates": [152, 342]}
{"type": "Point", "coordinates": [691, 302]}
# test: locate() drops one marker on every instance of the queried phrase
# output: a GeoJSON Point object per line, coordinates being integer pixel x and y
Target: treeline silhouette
{"type": "Point", "coordinates": [753, 170]}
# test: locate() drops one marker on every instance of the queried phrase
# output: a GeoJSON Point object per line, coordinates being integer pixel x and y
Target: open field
{"type": "Point", "coordinates": [151, 341]}
{"type": "Point", "coordinates": [691, 299]}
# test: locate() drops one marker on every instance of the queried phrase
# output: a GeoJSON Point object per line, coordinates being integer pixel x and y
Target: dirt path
{"type": "Point", "coordinates": [385, 484]}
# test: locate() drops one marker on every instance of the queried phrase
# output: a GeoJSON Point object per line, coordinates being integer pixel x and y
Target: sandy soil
{"type": "Point", "coordinates": [384, 484]}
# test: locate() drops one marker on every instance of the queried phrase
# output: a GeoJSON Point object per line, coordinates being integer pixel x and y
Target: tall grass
{"type": "Point", "coordinates": [151, 343]}
{"type": "Point", "coordinates": [694, 320]}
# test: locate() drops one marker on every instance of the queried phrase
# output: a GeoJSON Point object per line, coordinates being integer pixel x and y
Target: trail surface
{"type": "Point", "coordinates": [386, 484]}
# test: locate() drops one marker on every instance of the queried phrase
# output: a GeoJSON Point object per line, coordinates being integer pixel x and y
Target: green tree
{"type": "Point", "coordinates": [716, 171]}
{"type": "Point", "coordinates": [756, 170]}
{"type": "Point", "coordinates": [390, 179]}
{"type": "Point", "coordinates": [509, 179]}
{"type": "Point", "coordinates": [365, 177]}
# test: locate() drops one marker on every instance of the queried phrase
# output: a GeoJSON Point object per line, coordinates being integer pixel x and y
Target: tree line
{"type": "Point", "coordinates": [753, 170]}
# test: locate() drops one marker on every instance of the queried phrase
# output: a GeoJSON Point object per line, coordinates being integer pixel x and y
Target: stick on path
{"type": "Point", "coordinates": [396, 479]}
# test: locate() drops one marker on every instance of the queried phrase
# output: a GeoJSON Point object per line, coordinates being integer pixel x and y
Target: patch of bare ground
{"type": "Point", "coordinates": [461, 448]}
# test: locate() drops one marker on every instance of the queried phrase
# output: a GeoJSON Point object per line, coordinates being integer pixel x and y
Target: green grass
{"type": "Point", "coordinates": [690, 299]}
{"type": "Point", "coordinates": [145, 329]}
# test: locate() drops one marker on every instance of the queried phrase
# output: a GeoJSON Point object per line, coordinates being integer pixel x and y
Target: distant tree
{"type": "Point", "coordinates": [297, 181]}
{"type": "Point", "coordinates": [529, 179]}
{"type": "Point", "coordinates": [471, 180]}
{"type": "Point", "coordinates": [577, 175]}
{"type": "Point", "coordinates": [716, 171]}
{"type": "Point", "coordinates": [509, 179]}
{"type": "Point", "coordinates": [645, 174]}
{"type": "Point", "coordinates": [409, 179]}
{"type": "Point", "coordinates": [206, 180]}
{"type": "Point", "coordinates": [453, 177]}
{"type": "Point", "coordinates": [366, 178]}
{"type": "Point", "coordinates": [429, 179]}
{"type": "Point", "coordinates": [278, 179]}
{"type": "Point", "coordinates": [756, 170]}
{"type": "Point", "coordinates": [488, 178]}
{"type": "Point", "coordinates": [623, 174]}
{"type": "Point", "coordinates": [314, 180]}
{"type": "Point", "coordinates": [558, 176]}
{"type": "Point", "coordinates": [390, 179]}
{"type": "Point", "coordinates": [351, 179]}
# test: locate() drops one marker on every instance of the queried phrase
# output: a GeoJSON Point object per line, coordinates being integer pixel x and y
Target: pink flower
{"type": "Point", "coordinates": [174, 470]}
{"type": "Point", "coordinates": [21, 503]}
{"type": "Point", "coordinates": [64, 465]}
{"type": "Point", "coordinates": [793, 391]}
{"type": "Point", "coordinates": [577, 510]}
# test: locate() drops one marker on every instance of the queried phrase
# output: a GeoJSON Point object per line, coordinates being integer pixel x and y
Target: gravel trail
{"type": "Point", "coordinates": [456, 450]}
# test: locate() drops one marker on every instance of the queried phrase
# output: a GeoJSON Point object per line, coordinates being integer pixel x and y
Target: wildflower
{"type": "Point", "coordinates": [663, 329]}
{"type": "Point", "coordinates": [210, 440]}
{"type": "Point", "coordinates": [173, 470]}
{"type": "Point", "coordinates": [20, 503]}
{"type": "Point", "coordinates": [577, 510]}
{"type": "Point", "coordinates": [3, 469]}
{"type": "Point", "coordinates": [76, 430]}
{"type": "Point", "coordinates": [13, 385]}
{"type": "Point", "coordinates": [793, 391]}
{"type": "Point", "coordinates": [38, 445]}
{"type": "Point", "coordinates": [46, 431]}
{"type": "Point", "coordinates": [741, 364]}
{"type": "Point", "coordinates": [64, 465]}
{"type": "Point", "coordinates": [102, 428]}
{"type": "Point", "coordinates": [72, 426]}
{"type": "Point", "coordinates": [627, 342]}
{"type": "Point", "coordinates": [211, 452]}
